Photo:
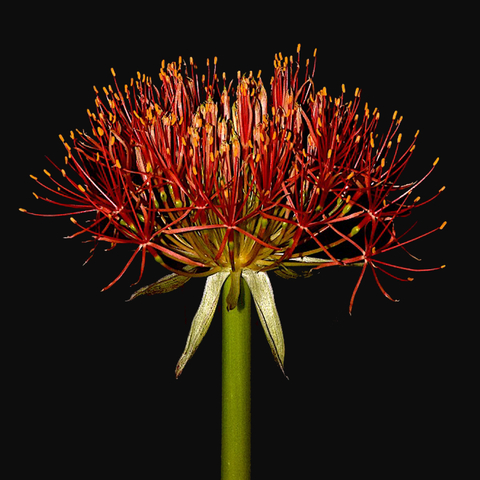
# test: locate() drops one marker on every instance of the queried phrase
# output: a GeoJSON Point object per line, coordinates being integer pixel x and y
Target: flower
{"type": "Point", "coordinates": [218, 180]}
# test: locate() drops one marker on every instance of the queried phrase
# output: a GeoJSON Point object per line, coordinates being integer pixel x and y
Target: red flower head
{"type": "Point", "coordinates": [215, 179]}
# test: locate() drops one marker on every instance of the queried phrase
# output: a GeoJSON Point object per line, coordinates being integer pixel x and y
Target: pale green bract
{"type": "Point", "coordinates": [203, 317]}
{"type": "Point", "coordinates": [262, 293]}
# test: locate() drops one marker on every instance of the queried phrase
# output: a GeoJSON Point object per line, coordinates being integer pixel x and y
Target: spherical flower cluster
{"type": "Point", "coordinates": [214, 180]}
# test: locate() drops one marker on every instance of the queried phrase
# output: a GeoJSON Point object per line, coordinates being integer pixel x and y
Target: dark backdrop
{"type": "Point", "coordinates": [92, 377]}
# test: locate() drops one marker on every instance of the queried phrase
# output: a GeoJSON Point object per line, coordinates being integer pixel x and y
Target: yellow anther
{"type": "Point", "coordinates": [354, 230]}
{"type": "Point", "coordinates": [442, 227]}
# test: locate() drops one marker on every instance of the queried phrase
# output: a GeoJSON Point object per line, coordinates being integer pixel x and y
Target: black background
{"type": "Point", "coordinates": [91, 378]}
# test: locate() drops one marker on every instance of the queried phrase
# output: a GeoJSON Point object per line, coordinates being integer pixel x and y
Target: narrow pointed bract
{"type": "Point", "coordinates": [214, 179]}
{"type": "Point", "coordinates": [262, 293]}
{"type": "Point", "coordinates": [203, 317]}
{"type": "Point", "coordinates": [166, 284]}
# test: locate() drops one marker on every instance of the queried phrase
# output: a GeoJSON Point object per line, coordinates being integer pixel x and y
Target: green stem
{"type": "Point", "coordinates": [236, 401]}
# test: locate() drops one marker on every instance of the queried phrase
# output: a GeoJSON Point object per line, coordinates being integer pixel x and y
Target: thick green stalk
{"type": "Point", "coordinates": [236, 401]}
